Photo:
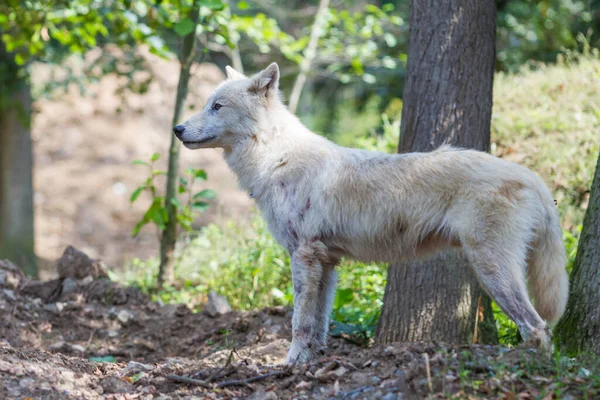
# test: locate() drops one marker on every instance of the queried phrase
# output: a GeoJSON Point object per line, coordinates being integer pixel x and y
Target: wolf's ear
{"type": "Point", "coordinates": [232, 74]}
{"type": "Point", "coordinates": [266, 82]}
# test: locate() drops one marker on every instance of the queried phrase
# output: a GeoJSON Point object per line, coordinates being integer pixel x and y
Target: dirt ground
{"type": "Point", "coordinates": [83, 336]}
{"type": "Point", "coordinates": [83, 149]}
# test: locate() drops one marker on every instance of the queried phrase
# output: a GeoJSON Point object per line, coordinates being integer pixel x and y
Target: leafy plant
{"type": "Point", "coordinates": [157, 211]}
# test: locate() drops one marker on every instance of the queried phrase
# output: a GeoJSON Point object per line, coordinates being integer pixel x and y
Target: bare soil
{"type": "Point", "coordinates": [83, 148]}
{"type": "Point", "coordinates": [88, 337]}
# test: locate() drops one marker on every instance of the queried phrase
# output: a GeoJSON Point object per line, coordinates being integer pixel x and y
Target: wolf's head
{"type": "Point", "coordinates": [233, 112]}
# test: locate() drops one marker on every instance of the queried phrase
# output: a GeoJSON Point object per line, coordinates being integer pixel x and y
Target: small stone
{"type": "Point", "coordinates": [10, 275]}
{"type": "Point", "coordinates": [26, 382]}
{"type": "Point", "coordinates": [52, 307]}
{"type": "Point", "coordinates": [339, 372]}
{"type": "Point", "coordinates": [9, 294]}
{"type": "Point", "coordinates": [57, 346]}
{"type": "Point", "coordinates": [113, 334]}
{"type": "Point", "coordinates": [375, 380]}
{"type": "Point", "coordinates": [116, 385]}
{"type": "Point", "coordinates": [87, 280]}
{"type": "Point", "coordinates": [360, 377]}
{"type": "Point", "coordinates": [303, 385]}
{"type": "Point", "coordinates": [69, 286]}
{"type": "Point", "coordinates": [59, 306]}
{"type": "Point", "coordinates": [390, 396]}
{"type": "Point", "coordinates": [216, 305]}
{"type": "Point", "coordinates": [134, 367]}
{"type": "Point", "coordinates": [45, 386]}
{"type": "Point", "coordinates": [77, 347]}
{"type": "Point", "coordinates": [124, 316]}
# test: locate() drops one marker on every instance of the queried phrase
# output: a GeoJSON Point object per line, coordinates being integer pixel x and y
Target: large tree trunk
{"type": "Point", "coordinates": [447, 99]}
{"type": "Point", "coordinates": [166, 272]}
{"type": "Point", "coordinates": [579, 330]}
{"type": "Point", "coordinates": [16, 165]}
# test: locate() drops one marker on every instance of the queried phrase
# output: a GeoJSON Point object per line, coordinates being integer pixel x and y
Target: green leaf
{"type": "Point", "coordinates": [200, 206]}
{"type": "Point", "coordinates": [206, 194]}
{"type": "Point", "coordinates": [184, 27]}
{"type": "Point", "coordinates": [183, 181]}
{"type": "Point", "coordinates": [136, 193]}
{"type": "Point", "coordinates": [200, 174]}
{"type": "Point", "coordinates": [213, 4]}
{"type": "Point", "coordinates": [177, 203]}
{"type": "Point", "coordinates": [182, 189]}
{"type": "Point", "coordinates": [184, 221]}
{"type": "Point", "coordinates": [242, 5]}
{"type": "Point", "coordinates": [138, 226]}
{"type": "Point", "coordinates": [155, 157]}
{"type": "Point", "coordinates": [139, 162]}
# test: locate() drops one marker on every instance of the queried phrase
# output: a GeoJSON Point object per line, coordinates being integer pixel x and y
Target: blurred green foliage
{"type": "Point", "coordinates": [185, 211]}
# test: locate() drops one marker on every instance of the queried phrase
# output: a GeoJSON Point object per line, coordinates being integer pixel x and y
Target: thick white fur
{"type": "Point", "coordinates": [323, 201]}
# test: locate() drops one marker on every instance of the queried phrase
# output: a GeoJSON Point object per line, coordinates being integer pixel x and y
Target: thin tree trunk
{"type": "Point", "coordinates": [16, 168]}
{"type": "Point", "coordinates": [309, 55]}
{"type": "Point", "coordinates": [166, 273]}
{"type": "Point", "coordinates": [579, 330]}
{"type": "Point", "coordinates": [447, 99]}
{"type": "Point", "coordinates": [236, 58]}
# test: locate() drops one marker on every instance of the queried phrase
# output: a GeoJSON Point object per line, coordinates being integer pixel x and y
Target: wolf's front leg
{"type": "Point", "coordinates": [314, 285]}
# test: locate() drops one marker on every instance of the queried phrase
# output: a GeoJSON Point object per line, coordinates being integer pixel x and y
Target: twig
{"type": "Point", "coordinates": [428, 371]}
{"type": "Point", "coordinates": [245, 382]}
{"type": "Point", "coordinates": [191, 381]}
{"type": "Point", "coordinates": [217, 374]}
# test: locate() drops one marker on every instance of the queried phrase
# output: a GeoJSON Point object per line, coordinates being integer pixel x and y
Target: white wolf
{"type": "Point", "coordinates": [323, 201]}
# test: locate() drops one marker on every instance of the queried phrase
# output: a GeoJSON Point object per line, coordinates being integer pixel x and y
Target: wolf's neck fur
{"type": "Point", "coordinates": [281, 143]}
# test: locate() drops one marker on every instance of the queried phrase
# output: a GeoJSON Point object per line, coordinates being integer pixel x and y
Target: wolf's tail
{"type": "Point", "coordinates": [548, 279]}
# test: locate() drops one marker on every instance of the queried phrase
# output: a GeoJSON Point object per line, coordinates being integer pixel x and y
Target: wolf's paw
{"type": "Point", "coordinates": [541, 340]}
{"type": "Point", "coordinates": [301, 354]}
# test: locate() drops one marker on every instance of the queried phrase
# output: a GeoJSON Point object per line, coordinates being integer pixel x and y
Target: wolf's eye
{"type": "Point", "coordinates": [217, 106]}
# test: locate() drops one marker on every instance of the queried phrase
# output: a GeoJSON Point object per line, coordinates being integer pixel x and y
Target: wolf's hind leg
{"type": "Point", "coordinates": [313, 278]}
{"type": "Point", "coordinates": [501, 273]}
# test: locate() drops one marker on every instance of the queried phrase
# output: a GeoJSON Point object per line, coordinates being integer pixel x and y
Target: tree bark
{"type": "Point", "coordinates": [16, 166]}
{"type": "Point", "coordinates": [166, 272]}
{"type": "Point", "coordinates": [447, 99]}
{"type": "Point", "coordinates": [579, 330]}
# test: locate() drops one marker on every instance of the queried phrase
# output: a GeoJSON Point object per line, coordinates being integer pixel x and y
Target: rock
{"type": "Point", "coordinates": [55, 308]}
{"type": "Point", "coordinates": [78, 348]}
{"type": "Point", "coordinates": [116, 385]}
{"type": "Point", "coordinates": [360, 377]}
{"type": "Point", "coordinates": [339, 372]}
{"type": "Point", "coordinates": [134, 367]}
{"type": "Point", "coordinates": [49, 291]}
{"type": "Point", "coordinates": [113, 334]}
{"type": "Point", "coordinates": [303, 385]}
{"type": "Point", "coordinates": [375, 380]}
{"type": "Point", "coordinates": [10, 275]}
{"type": "Point", "coordinates": [69, 285]}
{"type": "Point", "coordinates": [216, 305]}
{"type": "Point", "coordinates": [390, 396]}
{"type": "Point", "coordinates": [125, 316]}
{"type": "Point", "coordinates": [9, 294]}
{"type": "Point", "coordinates": [57, 346]}
{"type": "Point", "coordinates": [76, 264]}
{"type": "Point", "coordinates": [26, 382]}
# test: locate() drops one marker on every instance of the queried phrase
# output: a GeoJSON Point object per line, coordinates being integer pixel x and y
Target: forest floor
{"type": "Point", "coordinates": [83, 336]}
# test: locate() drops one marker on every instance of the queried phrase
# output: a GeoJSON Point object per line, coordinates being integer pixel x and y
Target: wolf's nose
{"type": "Point", "coordinates": [178, 130]}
